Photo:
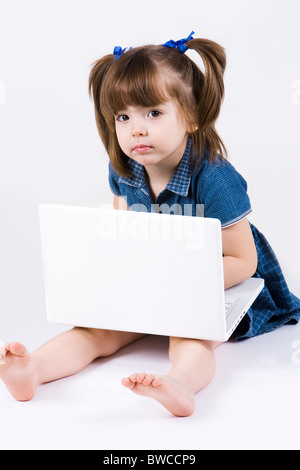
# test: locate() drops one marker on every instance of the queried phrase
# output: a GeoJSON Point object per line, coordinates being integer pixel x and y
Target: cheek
{"type": "Point", "coordinates": [120, 136]}
{"type": "Point", "coordinates": [176, 130]}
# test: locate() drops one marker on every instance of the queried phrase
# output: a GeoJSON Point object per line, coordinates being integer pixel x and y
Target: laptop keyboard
{"type": "Point", "coordinates": [229, 303]}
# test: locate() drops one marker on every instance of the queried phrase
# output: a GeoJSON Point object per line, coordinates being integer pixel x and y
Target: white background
{"type": "Point", "coordinates": [50, 152]}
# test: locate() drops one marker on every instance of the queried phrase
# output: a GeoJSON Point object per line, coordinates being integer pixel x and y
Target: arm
{"type": "Point", "coordinates": [240, 256]}
{"type": "Point", "coordinates": [119, 203]}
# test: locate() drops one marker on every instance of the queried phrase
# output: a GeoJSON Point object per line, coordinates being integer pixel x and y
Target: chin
{"type": "Point", "coordinates": [145, 160]}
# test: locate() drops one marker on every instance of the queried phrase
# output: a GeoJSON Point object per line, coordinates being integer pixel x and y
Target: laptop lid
{"type": "Point", "coordinates": [133, 271]}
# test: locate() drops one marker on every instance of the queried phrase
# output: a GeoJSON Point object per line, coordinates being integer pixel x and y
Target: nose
{"type": "Point", "coordinates": [138, 128]}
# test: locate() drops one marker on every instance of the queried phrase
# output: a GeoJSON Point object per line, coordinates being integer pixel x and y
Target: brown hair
{"type": "Point", "coordinates": [150, 75]}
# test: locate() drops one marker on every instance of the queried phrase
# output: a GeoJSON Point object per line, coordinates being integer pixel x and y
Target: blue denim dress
{"type": "Point", "coordinates": [222, 192]}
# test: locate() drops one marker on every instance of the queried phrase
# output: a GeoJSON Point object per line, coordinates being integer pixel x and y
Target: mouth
{"type": "Point", "coordinates": [142, 148]}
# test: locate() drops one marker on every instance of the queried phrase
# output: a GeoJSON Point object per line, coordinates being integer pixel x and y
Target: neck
{"type": "Point", "coordinates": [162, 172]}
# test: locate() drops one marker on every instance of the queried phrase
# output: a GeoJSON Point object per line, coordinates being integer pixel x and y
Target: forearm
{"type": "Point", "coordinates": [236, 270]}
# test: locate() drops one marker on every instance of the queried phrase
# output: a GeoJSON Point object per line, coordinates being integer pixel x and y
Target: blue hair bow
{"type": "Point", "coordinates": [118, 51]}
{"type": "Point", "coordinates": [179, 44]}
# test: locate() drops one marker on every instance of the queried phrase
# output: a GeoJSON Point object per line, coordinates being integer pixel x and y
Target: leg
{"type": "Point", "coordinates": [62, 356]}
{"type": "Point", "coordinates": [193, 367]}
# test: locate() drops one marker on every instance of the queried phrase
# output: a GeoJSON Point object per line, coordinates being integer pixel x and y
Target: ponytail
{"type": "Point", "coordinates": [96, 79]}
{"type": "Point", "coordinates": [209, 93]}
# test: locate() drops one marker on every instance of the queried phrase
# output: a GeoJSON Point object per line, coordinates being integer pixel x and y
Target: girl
{"type": "Point", "coordinates": [156, 113]}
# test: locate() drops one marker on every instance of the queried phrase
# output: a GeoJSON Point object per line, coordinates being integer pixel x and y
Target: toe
{"type": "Point", "coordinates": [126, 382]}
{"type": "Point", "coordinates": [16, 348]}
{"type": "Point", "coordinates": [133, 377]}
{"type": "Point", "coordinates": [157, 381]}
{"type": "Point", "coordinates": [148, 379]}
{"type": "Point", "coordinates": [140, 378]}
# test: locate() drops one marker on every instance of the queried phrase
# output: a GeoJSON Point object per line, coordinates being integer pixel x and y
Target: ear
{"type": "Point", "coordinates": [191, 125]}
{"type": "Point", "coordinates": [192, 128]}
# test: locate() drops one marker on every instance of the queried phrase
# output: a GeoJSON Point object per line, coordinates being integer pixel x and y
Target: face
{"type": "Point", "coordinates": [152, 136]}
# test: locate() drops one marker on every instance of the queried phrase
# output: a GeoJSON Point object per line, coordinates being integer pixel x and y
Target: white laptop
{"type": "Point", "coordinates": [144, 272]}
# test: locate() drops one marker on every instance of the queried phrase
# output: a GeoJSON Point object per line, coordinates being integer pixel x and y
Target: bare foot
{"type": "Point", "coordinates": [167, 390]}
{"type": "Point", "coordinates": [18, 372]}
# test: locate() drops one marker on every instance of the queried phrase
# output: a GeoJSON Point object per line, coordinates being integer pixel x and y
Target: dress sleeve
{"type": "Point", "coordinates": [113, 179]}
{"type": "Point", "coordinates": [223, 191]}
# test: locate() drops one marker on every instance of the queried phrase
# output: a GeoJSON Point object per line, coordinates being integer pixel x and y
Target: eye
{"type": "Point", "coordinates": [154, 113]}
{"type": "Point", "coordinates": [122, 118]}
